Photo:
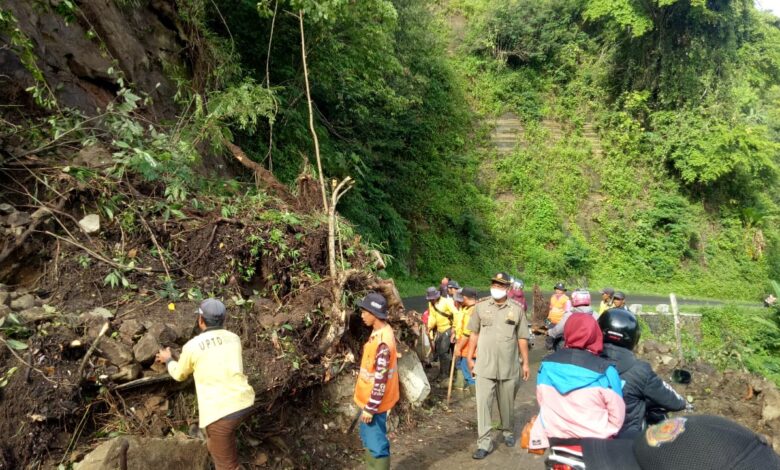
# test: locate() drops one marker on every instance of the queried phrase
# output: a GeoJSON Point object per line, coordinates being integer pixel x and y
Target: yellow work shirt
{"type": "Point", "coordinates": [214, 358]}
{"type": "Point", "coordinates": [462, 322]}
{"type": "Point", "coordinates": [604, 306]}
{"type": "Point", "coordinates": [441, 314]}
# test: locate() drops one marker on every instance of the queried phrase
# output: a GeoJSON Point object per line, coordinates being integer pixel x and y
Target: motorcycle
{"type": "Point", "coordinates": [565, 454]}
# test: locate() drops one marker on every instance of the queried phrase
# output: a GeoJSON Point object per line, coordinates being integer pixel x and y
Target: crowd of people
{"type": "Point", "coordinates": [590, 388]}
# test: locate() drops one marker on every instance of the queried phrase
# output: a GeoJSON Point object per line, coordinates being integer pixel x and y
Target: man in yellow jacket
{"type": "Point", "coordinates": [377, 389]}
{"type": "Point", "coordinates": [607, 301]}
{"type": "Point", "coordinates": [225, 397]}
{"type": "Point", "coordinates": [441, 316]}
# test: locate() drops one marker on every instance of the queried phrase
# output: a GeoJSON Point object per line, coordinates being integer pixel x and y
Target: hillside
{"type": "Point", "coordinates": [290, 156]}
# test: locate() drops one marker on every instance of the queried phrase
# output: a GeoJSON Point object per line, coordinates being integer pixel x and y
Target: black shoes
{"type": "Point", "coordinates": [509, 441]}
{"type": "Point", "coordinates": [480, 454]}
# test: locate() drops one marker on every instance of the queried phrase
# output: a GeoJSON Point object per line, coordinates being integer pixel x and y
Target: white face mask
{"type": "Point", "coordinates": [497, 293]}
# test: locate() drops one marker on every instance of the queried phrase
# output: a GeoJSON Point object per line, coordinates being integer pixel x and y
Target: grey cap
{"type": "Point", "coordinates": [212, 309]}
{"type": "Point", "coordinates": [608, 290]}
{"type": "Point", "coordinates": [453, 285]}
{"type": "Point", "coordinates": [619, 295]}
{"type": "Point", "coordinates": [432, 293]}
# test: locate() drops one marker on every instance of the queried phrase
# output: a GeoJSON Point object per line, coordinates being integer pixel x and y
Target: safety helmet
{"type": "Point", "coordinates": [517, 283]}
{"type": "Point", "coordinates": [560, 286]}
{"type": "Point", "coordinates": [620, 328]}
{"type": "Point", "coordinates": [580, 298]}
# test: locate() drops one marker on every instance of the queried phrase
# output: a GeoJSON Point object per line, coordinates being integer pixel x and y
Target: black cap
{"type": "Point", "coordinates": [502, 278]}
{"type": "Point", "coordinates": [376, 304]}
{"type": "Point", "coordinates": [469, 292]}
{"type": "Point", "coordinates": [690, 442]}
{"type": "Point", "coordinates": [619, 295]}
{"type": "Point", "coordinates": [453, 285]}
{"type": "Point", "coordinates": [560, 286]}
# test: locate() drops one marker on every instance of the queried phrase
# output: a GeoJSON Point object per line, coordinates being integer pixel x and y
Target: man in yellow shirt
{"type": "Point", "coordinates": [225, 397]}
{"type": "Point", "coordinates": [441, 315]}
{"type": "Point", "coordinates": [619, 300]}
{"type": "Point", "coordinates": [606, 299]}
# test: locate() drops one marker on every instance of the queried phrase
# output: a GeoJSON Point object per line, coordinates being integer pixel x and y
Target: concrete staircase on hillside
{"type": "Point", "coordinates": [506, 133]}
{"type": "Point", "coordinates": [589, 132]}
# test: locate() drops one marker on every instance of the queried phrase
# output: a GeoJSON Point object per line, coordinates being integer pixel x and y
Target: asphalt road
{"type": "Point", "coordinates": [648, 302]}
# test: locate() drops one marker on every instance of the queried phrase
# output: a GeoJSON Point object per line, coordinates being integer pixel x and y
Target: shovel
{"type": "Point", "coordinates": [452, 374]}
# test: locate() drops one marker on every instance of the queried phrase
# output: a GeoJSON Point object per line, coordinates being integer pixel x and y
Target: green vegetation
{"type": "Point", "coordinates": [649, 143]}
{"type": "Point", "coordinates": [738, 337]}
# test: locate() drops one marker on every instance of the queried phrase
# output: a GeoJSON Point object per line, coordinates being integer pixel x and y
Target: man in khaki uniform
{"type": "Point", "coordinates": [499, 330]}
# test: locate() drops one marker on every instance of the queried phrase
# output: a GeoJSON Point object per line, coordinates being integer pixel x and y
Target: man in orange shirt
{"type": "Point", "coordinates": [377, 389]}
{"type": "Point", "coordinates": [462, 333]}
{"type": "Point", "coordinates": [559, 306]}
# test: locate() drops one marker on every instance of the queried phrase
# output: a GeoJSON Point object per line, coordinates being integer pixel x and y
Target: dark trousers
{"type": "Point", "coordinates": [444, 349]}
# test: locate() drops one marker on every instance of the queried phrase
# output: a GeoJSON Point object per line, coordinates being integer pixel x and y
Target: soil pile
{"type": "Point", "coordinates": [105, 272]}
{"type": "Point", "coordinates": [739, 395]}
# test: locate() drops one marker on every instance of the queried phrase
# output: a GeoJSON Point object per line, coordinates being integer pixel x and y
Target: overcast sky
{"type": "Point", "coordinates": [773, 5]}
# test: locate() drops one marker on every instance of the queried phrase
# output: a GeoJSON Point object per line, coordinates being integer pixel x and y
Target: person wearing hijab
{"type": "Point", "coordinates": [579, 393]}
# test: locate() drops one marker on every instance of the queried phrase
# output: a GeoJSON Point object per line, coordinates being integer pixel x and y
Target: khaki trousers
{"type": "Point", "coordinates": [221, 442]}
{"type": "Point", "coordinates": [503, 391]}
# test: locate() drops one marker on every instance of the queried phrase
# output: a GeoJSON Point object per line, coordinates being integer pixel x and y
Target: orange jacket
{"type": "Point", "coordinates": [365, 381]}
{"type": "Point", "coordinates": [558, 306]}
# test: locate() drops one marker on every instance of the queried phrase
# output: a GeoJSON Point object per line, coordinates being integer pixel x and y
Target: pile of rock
{"type": "Point", "coordinates": [25, 305]}
{"type": "Point", "coordinates": [125, 352]}
{"type": "Point", "coordinates": [657, 354]}
{"type": "Point", "coordinates": [13, 222]}
{"type": "Point", "coordinates": [128, 350]}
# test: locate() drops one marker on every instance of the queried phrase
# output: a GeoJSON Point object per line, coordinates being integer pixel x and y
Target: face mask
{"type": "Point", "coordinates": [497, 293]}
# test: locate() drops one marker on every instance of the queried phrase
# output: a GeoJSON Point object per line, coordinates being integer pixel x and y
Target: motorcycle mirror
{"type": "Point", "coordinates": [681, 376]}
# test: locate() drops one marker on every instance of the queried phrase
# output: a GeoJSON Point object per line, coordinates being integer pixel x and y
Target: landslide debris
{"type": "Point", "coordinates": [85, 308]}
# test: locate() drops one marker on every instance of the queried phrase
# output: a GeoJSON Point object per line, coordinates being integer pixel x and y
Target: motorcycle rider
{"type": "Point", "coordinates": [684, 442]}
{"type": "Point", "coordinates": [578, 391]}
{"type": "Point", "coordinates": [643, 390]}
{"type": "Point", "coordinates": [517, 294]}
{"type": "Point", "coordinates": [580, 301]}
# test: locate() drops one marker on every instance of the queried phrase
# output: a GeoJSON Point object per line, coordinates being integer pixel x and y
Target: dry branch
{"type": "Point", "coordinates": [91, 349]}
{"type": "Point", "coordinates": [338, 191]}
{"type": "Point", "coordinates": [263, 177]}
{"type": "Point", "coordinates": [311, 116]}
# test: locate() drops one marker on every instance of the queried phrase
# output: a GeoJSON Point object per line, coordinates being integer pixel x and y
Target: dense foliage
{"type": "Point", "coordinates": [650, 145]}
{"type": "Point", "coordinates": [648, 150]}
{"type": "Point", "coordinates": [389, 112]}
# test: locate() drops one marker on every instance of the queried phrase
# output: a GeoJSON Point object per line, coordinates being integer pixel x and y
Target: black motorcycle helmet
{"type": "Point", "coordinates": [620, 328]}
